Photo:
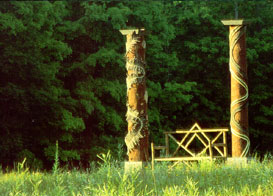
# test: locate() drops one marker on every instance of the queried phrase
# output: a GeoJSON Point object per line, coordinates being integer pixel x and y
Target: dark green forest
{"type": "Point", "coordinates": [63, 75]}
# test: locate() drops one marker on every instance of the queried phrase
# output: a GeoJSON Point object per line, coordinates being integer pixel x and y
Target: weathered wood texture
{"type": "Point", "coordinates": [137, 97]}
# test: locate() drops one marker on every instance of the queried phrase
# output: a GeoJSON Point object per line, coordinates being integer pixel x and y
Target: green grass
{"type": "Point", "coordinates": [204, 178]}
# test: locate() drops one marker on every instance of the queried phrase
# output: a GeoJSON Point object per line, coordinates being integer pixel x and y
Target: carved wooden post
{"type": "Point", "coordinates": [137, 137]}
{"type": "Point", "coordinates": [239, 87]}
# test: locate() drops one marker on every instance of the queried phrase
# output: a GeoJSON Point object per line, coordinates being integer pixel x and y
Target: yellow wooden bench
{"type": "Point", "coordinates": [211, 144]}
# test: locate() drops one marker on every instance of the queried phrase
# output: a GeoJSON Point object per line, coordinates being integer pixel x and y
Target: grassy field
{"type": "Point", "coordinates": [204, 178]}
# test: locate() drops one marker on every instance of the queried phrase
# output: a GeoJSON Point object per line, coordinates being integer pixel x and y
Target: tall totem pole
{"type": "Point", "coordinates": [239, 87]}
{"type": "Point", "coordinates": [137, 137]}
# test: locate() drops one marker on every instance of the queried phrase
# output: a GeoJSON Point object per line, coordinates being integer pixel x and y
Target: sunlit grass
{"type": "Point", "coordinates": [204, 178]}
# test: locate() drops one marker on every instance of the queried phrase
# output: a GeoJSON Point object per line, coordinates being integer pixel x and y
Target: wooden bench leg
{"type": "Point", "coordinates": [210, 151]}
{"type": "Point", "coordinates": [167, 145]}
{"type": "Point", "coordinates": [225, 142]}
{"type": "Point", "coordinates": [153, 155]}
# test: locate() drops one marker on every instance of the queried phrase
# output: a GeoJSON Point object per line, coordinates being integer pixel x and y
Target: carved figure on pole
{"type": "Point", "coordinates": [137, 97]}
{"type": "Point", "coordinates": [239, 87]}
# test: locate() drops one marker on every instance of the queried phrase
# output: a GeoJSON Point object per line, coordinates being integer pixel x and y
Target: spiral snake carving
{"type": "Point", "coordinates": [136, 75]}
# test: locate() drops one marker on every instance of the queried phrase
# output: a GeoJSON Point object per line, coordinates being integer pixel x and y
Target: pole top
{"type": "Point", "coordinates": [129, 31]}
{"type": "Point", "coordinates": [235, 22]}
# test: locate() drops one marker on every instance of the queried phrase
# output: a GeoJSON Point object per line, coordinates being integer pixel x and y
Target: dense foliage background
{"type": "Point", "coordinates": [62, 74]}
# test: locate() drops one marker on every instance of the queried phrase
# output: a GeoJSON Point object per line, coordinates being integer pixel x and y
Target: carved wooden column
{"type": "Point", "coordinates": [137, 137]}
{"type": "Point", "coordinates": [239, 87]}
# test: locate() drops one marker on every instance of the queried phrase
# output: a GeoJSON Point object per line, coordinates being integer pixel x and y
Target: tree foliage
{"type": "Point", "coordinates": [62, 73]}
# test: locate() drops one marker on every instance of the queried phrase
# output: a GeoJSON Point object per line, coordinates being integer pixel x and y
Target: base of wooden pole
{"type": "Point", "coordinates": [133, 166]}
{"type": "Point", "coordinates": [240, 160]}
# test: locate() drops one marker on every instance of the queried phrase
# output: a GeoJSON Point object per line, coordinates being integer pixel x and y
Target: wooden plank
{"type": "Point", "coordinates": [218, 157]}
{"type": "Point", "coordinates": [176, 150]}
{"type": "Point", "coordinates": [181, 158]}
{"type": "Point", "coordinates": [159, 147]}
{"type": "Point", "coordinates": [153, 155]}
{"type": "Point", "coordinates": [225, 142]}
{"type": "Point", "coordinates": [184, 147]}
{"type": "Point", "coordinates": [180, 144]}
{"type": "Point", "coordinates": [210, 151]}
{"type": "Point", "coordinates": [204, 150]}
{"type": "Point", "coordinates": [188, 158]}
{"type": "Point", "coordinates": [188, 151]}
{"type": "Point", "coordinates": [167, 145]}
{"type": "Point", "coordinates": [204, 143]}
{"type": "Point", "coordinates": [219, 134]}
{"type": "Point", "coordinates": [235, 22]}
{"type": "Point", "coordinates": [220, 152]}
{"type": "Point", "coordinates": [219, 144]}
{"type": "Point", "coordinates": [129, 31]}
{"type": "Point", "coordinates": [204, 134]}
{"type": "Point", "coordinates": [189, 142]}
{"type": "Point", "coordinates": [174, 139]}
{"type": "Point", "coordinates": [184, 138]}
{"type": "Point", "coordinates": [178, 131]}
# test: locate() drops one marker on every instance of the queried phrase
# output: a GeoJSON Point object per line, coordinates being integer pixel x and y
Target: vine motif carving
{"type": "Point", "coordinates": [239, 75]}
